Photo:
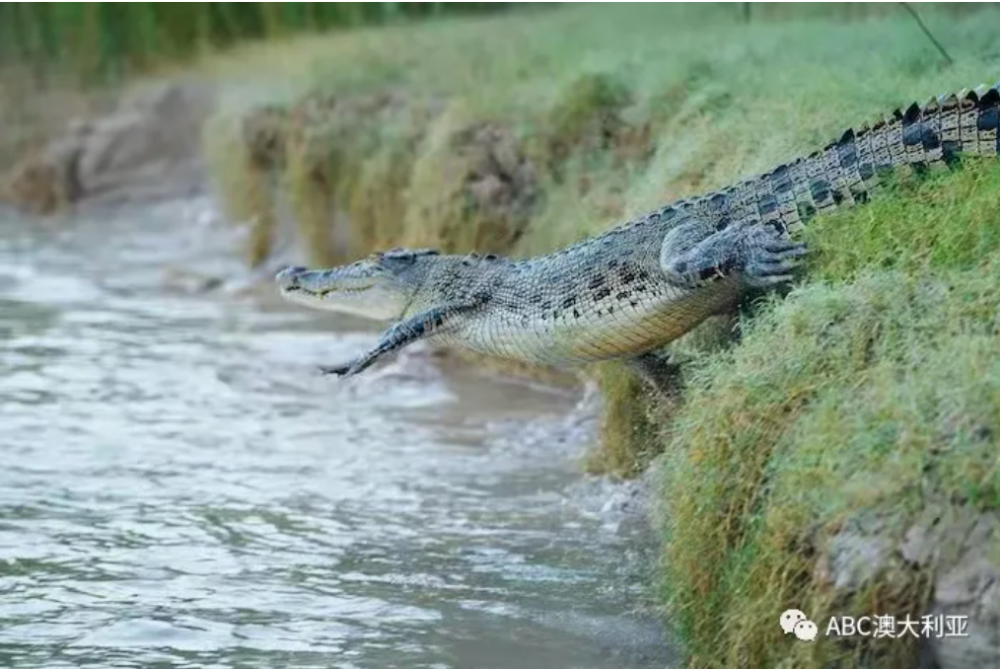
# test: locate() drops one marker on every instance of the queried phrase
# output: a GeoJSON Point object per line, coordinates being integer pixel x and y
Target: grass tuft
{"type": "Point", "coordinates": [874, 396]}
{"type": "Point", "coordinates": [586, 117]}
{"type": "Point", "coordinates": [472, 187]}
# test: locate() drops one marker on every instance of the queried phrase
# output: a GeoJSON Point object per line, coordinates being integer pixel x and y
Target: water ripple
{"type": "Point", "coordinates": [181, 488]}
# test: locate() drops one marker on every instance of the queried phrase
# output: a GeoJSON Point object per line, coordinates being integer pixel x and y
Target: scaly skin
{"type": "Point", "coordinates": [629, 291]}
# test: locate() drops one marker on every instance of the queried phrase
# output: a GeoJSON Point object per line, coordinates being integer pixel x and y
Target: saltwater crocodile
{"type": "Point", "coordinates": [627, 292]}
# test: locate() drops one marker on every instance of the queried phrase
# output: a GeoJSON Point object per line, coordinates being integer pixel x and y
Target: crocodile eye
{"type": "Point", "coordinates": [399, 259]}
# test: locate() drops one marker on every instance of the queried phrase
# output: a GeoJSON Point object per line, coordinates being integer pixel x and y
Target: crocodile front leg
{"type": "Point", "coordinates": [693, 254]}
{"type": "Point", "coordinates": [402, 334]}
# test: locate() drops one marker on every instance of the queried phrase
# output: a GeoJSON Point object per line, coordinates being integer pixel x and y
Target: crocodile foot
{"type": "Point", "coordinates": [770, 259]}
{"type": "Point", "coordinates": [760, 255]}
{"type": "Point", "coordinates": [340, 370]}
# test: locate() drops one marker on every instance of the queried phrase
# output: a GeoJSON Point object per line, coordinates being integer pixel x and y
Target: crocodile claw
{"type": "Point", "coordinates": [340, 370]}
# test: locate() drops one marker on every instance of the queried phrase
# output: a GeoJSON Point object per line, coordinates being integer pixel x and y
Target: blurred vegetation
{"type": "Point", "coordinates": [104, 41]}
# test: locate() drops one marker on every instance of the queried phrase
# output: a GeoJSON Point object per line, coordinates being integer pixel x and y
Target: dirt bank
{"type": "Point", "coordinates": [146, 147]}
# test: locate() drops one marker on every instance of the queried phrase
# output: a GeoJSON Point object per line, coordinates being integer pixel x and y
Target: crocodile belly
{"type": "Point", "coordinates": [599, 331]}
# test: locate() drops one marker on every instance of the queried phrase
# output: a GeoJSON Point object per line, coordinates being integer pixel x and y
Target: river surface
{"type": "Point", "coordinates": [179, 487]}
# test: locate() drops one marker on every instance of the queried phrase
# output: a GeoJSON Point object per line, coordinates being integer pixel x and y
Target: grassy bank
{"type": "Point", "coordinates": [871, 392]}
{"type": "Point", "coordinates": [867, 398]}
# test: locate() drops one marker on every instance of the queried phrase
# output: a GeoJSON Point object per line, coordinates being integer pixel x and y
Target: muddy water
{"type": "Point", "coordinates": [179, 487]}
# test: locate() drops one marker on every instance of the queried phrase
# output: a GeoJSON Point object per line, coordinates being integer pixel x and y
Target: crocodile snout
{"type": "Point", "coordinates": [289, 276]}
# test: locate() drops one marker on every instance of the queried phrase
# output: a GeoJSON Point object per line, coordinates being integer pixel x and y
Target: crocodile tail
{"type": "Point", "coordinates": [849, 170]}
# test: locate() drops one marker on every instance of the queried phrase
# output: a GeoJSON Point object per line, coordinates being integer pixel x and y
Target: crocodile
{"type": "Point", "coordinates": [626, 293]}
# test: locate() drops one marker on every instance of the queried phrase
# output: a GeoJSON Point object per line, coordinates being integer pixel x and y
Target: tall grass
{"type": "Point", "coordinates": [105, 41]}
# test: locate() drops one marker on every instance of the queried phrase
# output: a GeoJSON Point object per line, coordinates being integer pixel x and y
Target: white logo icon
{"type": "Point", "coordinates": [795, 622]}
{"type": "Point", "coordinates": [806, 630]}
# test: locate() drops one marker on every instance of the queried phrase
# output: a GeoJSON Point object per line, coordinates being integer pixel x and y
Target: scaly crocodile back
{"type": "Point", "coordinates": [848, 170]}
{"type": "Point", "coordinates": [607, 296]}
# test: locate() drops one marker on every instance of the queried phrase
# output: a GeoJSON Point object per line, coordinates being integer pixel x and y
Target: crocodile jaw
{"type": "Point", "coordinates": [360, 289]}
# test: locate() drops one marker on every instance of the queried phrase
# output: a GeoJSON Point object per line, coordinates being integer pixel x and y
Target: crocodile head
{"type": "Point", "coordinates": [380, 287]}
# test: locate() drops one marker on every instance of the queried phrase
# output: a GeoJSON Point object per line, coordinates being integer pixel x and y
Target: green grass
{"type": "Point", "coordinates": [872, 390]}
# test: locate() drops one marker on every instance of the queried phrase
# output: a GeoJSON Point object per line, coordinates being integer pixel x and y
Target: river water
{"type": "Point", "coordinates": [179, 487]}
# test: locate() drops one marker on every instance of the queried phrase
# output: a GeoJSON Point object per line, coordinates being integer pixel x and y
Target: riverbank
{"type": "Point", "coordinates": [840, 456]}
